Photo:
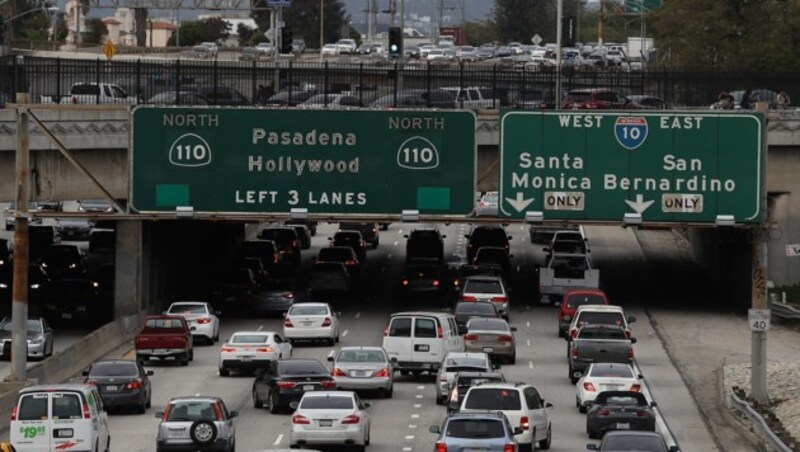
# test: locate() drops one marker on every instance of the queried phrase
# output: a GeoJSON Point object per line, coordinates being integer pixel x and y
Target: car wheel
{"type": "Point", "coordinates": [203, 432]}
{"type": "Point", "coordinates": [330, 341]}
{"type": "Point", "coordinates": [526, 447]}
{"type": "Point", "coordinates": [581, 408]}
{"type": "Point", "coordinates": [223, 372]}
{"type": "Point", "coordinates": [273, 408]}
{"type": "Point", "coordinates": [185, 360]}
{"type": "Point", "coordinates": [388, 392]}
{"type": "Point", "coordinates": [545, 443]}
{"type": "Point", "coordinates": [405, 373]}
{"type": "Point", "coordinates": [439, 400]}
{"type": "Point", "coordinates": [513, 359]}
{"type": "Point", "coordinates": [142, 407]}
{"type": "Point", "coordinates": [191, 354]}
{"type": "Point", "coordinates": [256, 402]}
{"type": "Point", "coordinates": [367, 438]}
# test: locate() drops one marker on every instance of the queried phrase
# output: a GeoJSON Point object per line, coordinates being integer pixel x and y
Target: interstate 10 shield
{"type": "Point", "coordinates": [630, 131]}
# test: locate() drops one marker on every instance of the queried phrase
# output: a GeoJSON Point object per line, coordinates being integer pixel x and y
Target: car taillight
{"type": "Point", "coordinates": [274, 258]}
{"type": "Point", "coordinates": [326, 322]}
{"type": "Point", "coordinates": [468, 298]}
{"type": "Point", "coordinates": [589, 387]}
{"type": "Point", "coordinates": [574, 352]}
{"type": "Point", "coordinates": [640, 413]}
{"type": "Point", "coordinates": [86, 413]}
{"type": "Point", "coordinates": [298, 419]}
{"type": "Point", "coordinates": [14, 413]}
{"type": "Point", "coordinates": [405, 282]}
{"type": "Point", "coordinates": [573, 334]}
{"type": "Point", "coordinates": [471, 337]}
{"type": "Point", "coordinates": [499, 299]}
{"type": "Point", "coordinates": [91, 383]}
{"type": "Point", "coordinates": [636, 388]}
{"type": "Point", "coordinates": [227, 349]}
{"type": "Point", "coordinates": [264, 350]}
{"type": "Point", "coordinates": [166, 413]}
{"type": "Point", "coordinates": [328, 384]}
{"type": "Point", "coordinates": [481, 204]}
{"type": "Point", "coordinates": [524, 423]}
{"type": "Point", "coordinates": [435, 283]}
{"type": "Point", "coordinates": [505, 338]}
{"type": "Point", "coordinates": [386, 330]}
{"type": "Point", "coordinates": [509, 448]}
{"type": "Point", "coordinates": [285, 384]}
{"type": "Point", "coordinates": [604, 412]}
{"type": "Point", "coordinates": [74, 100]}
{"type": "Point", "coordinates": [218, 412]}
{"type": "Point", "coordinates": [204, 320]}
{"type": "Point", "coordinates": [287, 323]}
{"type": "Point", "coordinates": [349, 262]}
{"type": "Point", "coordinates": [296, 244]}
{"type": "Point", "coordinates": [630, 354]}
{"type": "Point", "coordinates": [384, 372]}
{"type": "Point", "coordinates": [439, 332]}
{"type": "Point", "coordinates": [443, 376]}
{"type": "Point", "coordinates": [352, 419]}
{"type": "Point", "coordinates": [440, 447]}
{"type": "Point", "coordinates": [135, 384]}
{"type": "Point", "coordinates": [338, 372]}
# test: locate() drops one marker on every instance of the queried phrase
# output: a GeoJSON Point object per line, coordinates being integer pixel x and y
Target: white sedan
{"type": "Point", "coordinates": [330, 49]}
{"type": "Point", "coordinates": [330, 418]}
{"type": "Point", "coordinates": [250, 350]}
{"type": "Point", "coordinates": [605, 377]}
{"type": "Point", "coordinates": [200, 315]}
{"type": "Point", "coordinates": [311, 321]}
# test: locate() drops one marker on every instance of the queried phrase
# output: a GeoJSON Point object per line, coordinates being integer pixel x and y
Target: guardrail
{"type": "Point", "coordinates": [743, 407]}
{"type": "Point", "coordinates": [661, 422]}
{"type": "Point", "coordinates": [783, 310]}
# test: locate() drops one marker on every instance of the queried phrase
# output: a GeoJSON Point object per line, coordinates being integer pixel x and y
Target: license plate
{"type": "Point", "coordinates": [309, 387]}
{"type": "Point", "coordinates": [325, 423]}
{"type": "Point", "coordinates": [159, 351]}
{"type": "Point", "coordinates": [247, 358]}
{"type": "Point", "coordinates": [66, 315]}
{"type": "Point", "coordinates": [176, 433]}
{"type": "Point", "coordinates": [623, 426]}
{"type": "Point", "coordinates": [111, 388]}
{"type": "Point", "coordinates": [359, 373]}
{"type": "Point", "coordinates": [423, 348]}
{"type": "Point", "coordinates": [488, 349]}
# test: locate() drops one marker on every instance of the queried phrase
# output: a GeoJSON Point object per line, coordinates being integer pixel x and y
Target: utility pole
{"type": "Point", "coordinates": [321, 28]}
{"type": "Point", "coordinates": [403, 46]}
{"type": "Point", "coordinates": [559, 33]}
{"type": "Point", "coordinates": [19, 305]}
{"type": "Point", "coordinates": [600, 20]}
{"type": "Point", "coordinates": [77, 26]}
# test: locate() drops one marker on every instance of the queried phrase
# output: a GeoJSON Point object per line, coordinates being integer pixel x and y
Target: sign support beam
{"type": "Point", "coordinates": [758, 341]}
{"type": "Point", "coordinates": [19, 305]}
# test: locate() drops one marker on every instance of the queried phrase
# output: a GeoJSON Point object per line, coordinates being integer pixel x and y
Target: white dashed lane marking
{"type": "Point", "coordinates": [278, 440]}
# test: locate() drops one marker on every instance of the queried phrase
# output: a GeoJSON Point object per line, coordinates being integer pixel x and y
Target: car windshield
{"type": "Point", "coordinates": [187, 309]}
{"type": "Point", "coordinates": [163, 324]}
{"type": "Point", "coordinates": [464, 361]}
{"type": "Point", "coordinates": [475, 428]}
{"type": "Point", "coordinates": [575, 300]}
{"type": "Point", "coordinates": [622, 399]}
{"type": "Point", "coordinates": [601, 333]}
{"type": "Point", "coordinates": [326, 403]}
{"type": "Point", "coordinates": [493, 399]}
{"type": "Point", "coordinates": [469, 308]}
{"type": "Point", "coordinates": [579, 97]}
{"type": "Point", "coordinates": [569, 246]}
{"type": "Point", "coordinates": [190, 411]}
{"type": "Point", "coordinates": [249, 339]}
{"type": "Point", "coordinates": [114, 369]}
{"type": "Point", "coordinates": [483, 286]}
{"type": "Point", "coordinates": [308, 310]}
{"type": "Point", "coordinates": [601, 318]}
{"type": "Point", "coordinates": [609, 371]}
{"type": "Point", "coordinates": [361, 356]}
{"type": "Point", "coordinates": [487, 254]}
{"type": "Point", "coordinates": [630, 442]}
{"type": "Point", "coordinates": [487, 325]}
{"type": "Point", "coordinates": [301, 368]}
{"type": "Point", "coordinates": [347, 237]}
{"type": "Point", "coordinates": [474, 381]}
{"type": "Point", "coordinates": [33, 325]}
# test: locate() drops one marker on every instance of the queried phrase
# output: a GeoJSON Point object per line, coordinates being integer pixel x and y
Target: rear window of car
{"type": "Point", "coordinates": [569, 267]}
{"type": "Point", "coordinates": [400, 327]}
{"type": "Point", "coordinates": [187, 309]}
{"type": "Point", "coordinates": [163, 324]}
{"type": "Point", "coordinates": [361, 356]}
{"type": "Point", "coordinates": [569, 246]}
{"type": "Point", "coordinates": [327, 403]}
{"type": "Point", "coordinates": [493, 235]}
{"type": "Point", "coordinates": [301, 367]}
{"type": "Point", "coordinates": [622, 400]}
{"type": "Point", "coordinates": [191, 411]}
{"type": "Point", "coordinates": [487, 325]}
{"type": "Point", "coordinates": [474, 381]}
{"type": "Point", "coordinates": [422, 271]}
{"type": "Point", "coordinates": [85, 89]}
{"type": "Point", "coordinates": [347, 236]}
{"type": "Point", "coordinates": [475, 308]}
{"type": "Point", "coordinates": [114, 370]}
{"type": "Point", "coordinates": [483, 286]}
{"type": "Point", "coordinates": [425, 328]}
{"type": "Point", "coordinates": [607, 371]}
{"type": "Point", "coordinates": [475, 429]}
{"type": "Point", "coordinates": [579, 97]}
{"type": "Point", "coordinates": [256, 248]}
{"type": "Point", "coordinates": [308, 310]}
{"type": "Point", "coordinates": [249, 339]}
{"type": "Point", "coordinates": [573, 301]}
{"type": "Point", "coordinates": [464, 361]}
{"type": "Point", "coordinates": [493, 399]}
{"type": "Point", "coordinates": [32, 407]}
{"type": "Point", "coordinates": [601, 318]}
{"type": "Point", "coordinates": [278, 235]}
{"type": "Point", "coordinates": [67, 406]}
{"type": "Point", "coordinates": [424, 235]}
{"type": "Point", "coordinates": [601, 333]}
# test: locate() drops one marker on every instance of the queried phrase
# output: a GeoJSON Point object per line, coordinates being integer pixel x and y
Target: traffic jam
{"type": "Point", "coordinates": [458, 344]}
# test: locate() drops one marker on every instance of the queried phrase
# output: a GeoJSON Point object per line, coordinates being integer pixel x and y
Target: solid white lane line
{"type": "Point", "coordinates": [417, 405]}
{"type": "Point", "coordinates": [530, 364]}
{"type": "Point", "coordinates": [415, 416]}
{"type": "Point", "coordinates": [260, 327]}
{"type": "Point", "coordinates": [528, 324]}
{"type": "Point", "coordinates": [344, 333]}
{"type": "Point", "coordinates": [409, 436]}
{"type": "Point", "coordinates": [278, 440]}
{"type": "Point", "coordinates": [395, 243]}
{"type": "Point", "coordinates": [358, 314]}
{"type": "Point", "coordinates": [528, 342]}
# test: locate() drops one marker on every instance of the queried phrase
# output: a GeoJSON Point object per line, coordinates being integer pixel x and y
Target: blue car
{"type": "Point", "coordinates": [485, 431]}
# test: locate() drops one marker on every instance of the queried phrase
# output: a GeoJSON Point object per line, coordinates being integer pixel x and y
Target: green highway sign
{"type": "Point", "coordinates": [685, 167]}
{"type": "Point", "coordinates": [255, 160]}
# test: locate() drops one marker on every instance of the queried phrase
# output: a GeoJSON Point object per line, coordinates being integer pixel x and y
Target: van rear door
{"type": "Point", "coordinates": [71, 431]}
{"type": "Point", "coordinates": [397, 341]}
{"type": "Point", "coordinates": [30, 430]}
{"type": "Point", "coordinates": [428, 344]}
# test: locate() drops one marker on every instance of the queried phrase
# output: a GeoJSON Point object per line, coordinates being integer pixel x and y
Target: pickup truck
{"type": "Point", "coordinates": [92, 93]}
{"type": "Point", "coordinates": [598, 344]}
{"type": "Point", "coordinates": [474, 97]}
{"type": "Point", "coordinates": [164, 336]}
{"type": "Point", "coordinates": [564, 272]}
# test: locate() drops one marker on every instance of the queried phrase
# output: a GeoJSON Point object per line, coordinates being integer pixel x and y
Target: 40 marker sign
{"type": "Point", "coordinates": [630, 131]}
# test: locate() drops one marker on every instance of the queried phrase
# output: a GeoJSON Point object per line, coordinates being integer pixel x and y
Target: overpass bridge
{"type": "Point", "coordinates": [149, 252]}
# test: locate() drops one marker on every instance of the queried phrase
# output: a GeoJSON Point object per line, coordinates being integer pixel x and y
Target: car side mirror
{"type": "Point", "coordinates": [149, 373]}
{"type": "Point", "coordinates": [434, 429]}
{"type": "Point", "coordinates": [633, 340]}
{"type": "Point", "coordinates": [330, 238]}
{"type": "Point", "coordinates": [234, 414]}
{"type": "Point", "coordinates": [510, 238]}
{"type": "Point", "coordinates": [548, 405]}
{"type": "Point", "coordinates": [163, 312]}
{"type": "Point", "coordinates": [330, 358]}
{"type": "Point", "coordinates": [338, 314]}
{"type": "Point", "coordinates": [462, 330]}
{"type": "Point", "coordinates": [405, 236]}
{"type": "Point", "coordinates": [294, 405]}
{"type": "Point", "coordinates": [159, 414]}
{"type": "Point", "coordinates": [285, 314]}
{"type": "Point", "coordinates": [367, 404]}
{"type": "Point", "coordinates": [674, 449]}
{"type": "Point", "coordinates": [653, 405]}
{"type": "Point", "coordinates": [192, 328]}
{"type": "Point", "coordinates": [591, 447]}
{"type": "Point", "coordinates": [466, 236]}
{"type": "Point", "coordinates": [444, 236]}
{"type": "Point", "coordinates": [497, 366]}
{"type": "Point", "coordinates": [518, 430]}
{"type": "Point", "coordinates": [577, 374]}
{"type": "Point", "coordinates": [513, 329]}
{"type": "Point", "coordinates": [394, 360]}
{"type": "Point", "coordinates": [631, 319]}
{"type": "Point", "coordinates": [546, 249]}
{"type": "Point", "coordinates": [260, 372]}
{"type": "Point", "coordinates": [218, 313]}
{"type": "Point", "coordinates": [85, 373]}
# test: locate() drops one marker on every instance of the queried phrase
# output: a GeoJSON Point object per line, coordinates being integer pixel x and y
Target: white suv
{"type": "Point", "coordinates": [522, 405]}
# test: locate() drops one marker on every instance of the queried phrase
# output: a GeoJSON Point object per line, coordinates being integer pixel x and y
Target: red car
{"type": "Point", "coordinates": [598, 99]}
{"type": "Point", "coordinates": [573, 299]}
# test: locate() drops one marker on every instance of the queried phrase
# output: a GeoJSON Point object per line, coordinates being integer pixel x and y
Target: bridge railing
{"type": "Point", "coordinates": [506, 85]}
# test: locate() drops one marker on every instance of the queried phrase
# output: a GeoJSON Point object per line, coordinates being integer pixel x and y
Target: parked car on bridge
{"type": "Point", "coordinates": [92, 93]}
{"type": "Point", "coordinates": [40, 338]}
{"type": "Point", "coordinates": [598, 99]}
{"type": "Point", "coordinates": [179, 98]}
{"type": "Point", "coordinates": [332, 101]}
{"type": "Point", "coordinates": [436, 98]}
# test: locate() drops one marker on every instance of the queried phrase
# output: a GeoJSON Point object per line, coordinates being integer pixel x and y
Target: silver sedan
{"type": "Point", "coordinates": [330, 418]}
{"type": "Point", "coordinates": [363, 368]}
{"type": "Point", "coordinates": [40, 338]}
{"type": "Point", "coordinates": [492, 336]}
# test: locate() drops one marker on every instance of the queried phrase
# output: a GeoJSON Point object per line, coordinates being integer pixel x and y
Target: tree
{"type": "Point", "coordinates": [303, 18]}
{"type": "Point", "coordinates": [480, 32]}
{"type": "Point", "coordinates": [194, 32]}
{"type": "Point", "coordinates": [245, 34]}
{"type": "Point", "coordinates": [32, 26]}
{"type": "Point", "coordinates": [96, 31]}
{"type": "Point", "coordinates": [519, 20]}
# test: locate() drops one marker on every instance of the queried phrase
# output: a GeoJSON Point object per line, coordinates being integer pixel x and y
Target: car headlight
{"type": "Point", "coordinates": [2, 262]}
{"type": "Point", "coordinates": [34, 286]}
{"type": "Point", "coordinates": [73, 265]}
{"type": "Point", "coordinates": [3, 286]}
{"type": "Point", "coordinates": [44, 265]}
{"type": "Point", "coordinates": [96, 284]}
{"type": "Point", "coordinates": [37, 341]}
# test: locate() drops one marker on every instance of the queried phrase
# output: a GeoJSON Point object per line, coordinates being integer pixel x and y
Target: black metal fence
{"type": "Point", "coordinates": [50, 80]}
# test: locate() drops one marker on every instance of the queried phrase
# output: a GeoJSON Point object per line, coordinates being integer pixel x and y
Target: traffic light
{"type": "Point", "coordinates": [286, 40]}
{"type": "Point", "coordinates": [395, 42]}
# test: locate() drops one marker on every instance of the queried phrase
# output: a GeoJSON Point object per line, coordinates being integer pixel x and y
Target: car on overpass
{"type": "Point", "coordinates": [40, 338]}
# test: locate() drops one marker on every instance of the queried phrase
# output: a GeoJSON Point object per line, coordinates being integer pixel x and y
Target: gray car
{"type": "Point", "coordinates": [456, 362]}
{"type": "Point", "coordinates": [489, 432]}
{"type": "Point", "coordinates": [196, 423]}
{"type": "Point", "coordinates": [40, 338]}
{"type": "Point", "coordinates": [491, 336]}
{"type": "Point", "coordinates": [363, 368]}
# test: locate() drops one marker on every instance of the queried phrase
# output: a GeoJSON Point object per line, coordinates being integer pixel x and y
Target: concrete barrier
{"type": "Point", "coordinates": [72, 360]}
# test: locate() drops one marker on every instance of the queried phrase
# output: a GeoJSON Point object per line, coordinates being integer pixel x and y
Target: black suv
{"type": "Point", "coordinates": [263, 250]}
{"type": "Point", "coordinates": [369, 231]}
{"type": "Point", "coordinates": [286, 241]}
{"type": "Point", "coordinates": [354, 240]}
{"type": "Point", "coordinates": [486, 235]}
{"type": "Point", "coordinates": [285, 381]}
{"type": "Point", "coordinates": [425, 244]}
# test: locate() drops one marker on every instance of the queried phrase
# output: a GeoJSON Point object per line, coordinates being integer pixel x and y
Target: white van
{"type": "Point", "coordinates": [60, 417]}
{"type": "Point", "coordinates": [419, 341]}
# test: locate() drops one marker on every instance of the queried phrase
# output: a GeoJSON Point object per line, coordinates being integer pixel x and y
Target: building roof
{"type": "Point", "coordinates": [111, 21]}
{"type": "Point", "coordinates": [162, 26]}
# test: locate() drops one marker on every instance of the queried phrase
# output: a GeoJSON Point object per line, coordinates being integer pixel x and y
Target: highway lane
{"type": "Point", "coordinates": [401, 423]}
{"type": "Point", "coordinates": [63, 339]}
